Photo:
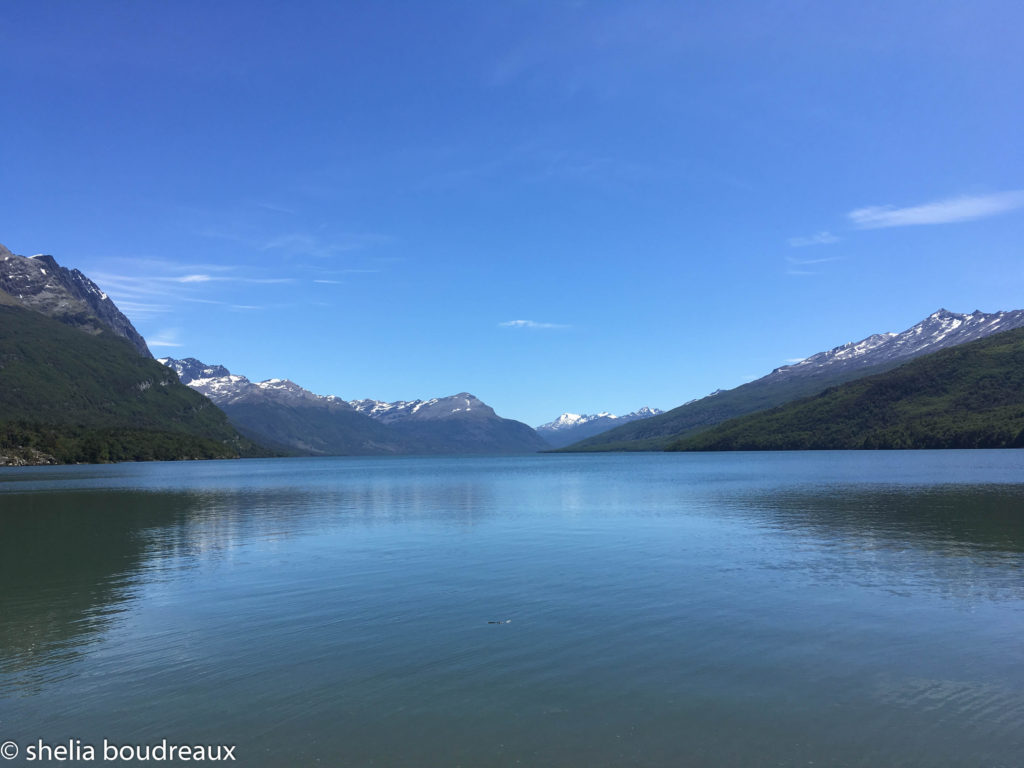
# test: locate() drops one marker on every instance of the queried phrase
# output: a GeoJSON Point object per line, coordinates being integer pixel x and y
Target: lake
{"type": "Point", "coordinates": [774, 609]}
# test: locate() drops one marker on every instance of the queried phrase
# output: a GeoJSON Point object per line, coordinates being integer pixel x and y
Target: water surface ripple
{"type": "Point", "coordinates": [840, 609]}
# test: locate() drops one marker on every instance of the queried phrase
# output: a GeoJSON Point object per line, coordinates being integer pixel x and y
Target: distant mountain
{"type": "Point", "coordinates": [68, 396]}
{"type": "Point", "coordinates": [455, 424]}
{"type": "Point", "coordinates": [281, 413]}
{"type": "Point", "coordinates": [41, 284]}
{"type": "Point", "coordinates": [874, 354]}
{"type": "Point", "coordinates": [967, 396]}
{"type": "Point", "coordinates": [573, 427]}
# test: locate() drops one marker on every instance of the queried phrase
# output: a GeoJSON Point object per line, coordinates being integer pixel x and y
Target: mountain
{"type": "Point", "coordinates": [281, 413]}
{"type": "Point", "coordinates": [455, 424]}
{"type": "Point", "coordinates": [875, 354]}
{"type": "Point", "coordinates": [68, 396]}
{"type": "Point", "coordinates": [573, 427]}
{"type": "Point", "coordinates": [41, 284]}
{"type": "Point", "coordinates": [967, 396]}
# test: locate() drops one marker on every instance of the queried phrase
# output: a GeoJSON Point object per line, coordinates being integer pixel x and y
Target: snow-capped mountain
{"type": "Point", "coordinates": [939, 330]}
{"type": "Point", "coordinates": [41, 284]}
{"type": "Point", "coordinates": [571, 427]}
{"type": "Point", "coordinates": [278, 412]}
{"type": "Point", "coordinates": [573, 420]}
{"type": "Point", "coordinates": [226, 388]}
{"type": "Point", "coordinates": [875, 354]}
{"type": "Point", "coordinates": [423, 410]}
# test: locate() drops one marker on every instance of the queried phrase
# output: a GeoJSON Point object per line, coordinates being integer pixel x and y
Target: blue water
{"type": "Point", "coordinates": [658, 610]}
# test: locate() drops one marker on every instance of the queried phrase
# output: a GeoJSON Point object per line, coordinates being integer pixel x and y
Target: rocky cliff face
{"type": "Point", "coordinates": [41, 284]}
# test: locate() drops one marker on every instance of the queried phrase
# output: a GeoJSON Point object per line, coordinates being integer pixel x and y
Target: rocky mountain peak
{"type": "Point", "coordinates": [226, 388]}
{"type": "Point", "coordinates": [47, 259]}
{"type": "Point", "coordinates": [41, 284]}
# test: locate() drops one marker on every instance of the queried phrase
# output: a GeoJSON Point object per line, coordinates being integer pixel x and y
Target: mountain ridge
{"type": "Point", "coordinates": [40, 284]}
{"type": "Point", "coordinates": [873, 354]}
{"type": "Point", "coordinates": [970, 395]}
{"type": "Point", "coordinates": [282, 413]}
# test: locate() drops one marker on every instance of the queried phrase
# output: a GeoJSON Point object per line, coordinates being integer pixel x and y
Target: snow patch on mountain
{"type": "Point", "coordinates": [463, 404]}
{"type": "Point", "coordinates": [939, 330]}
{"type": "Point", "coordinates": [573, 420]}
{"type": "Point", "coordinates": [226, 388]}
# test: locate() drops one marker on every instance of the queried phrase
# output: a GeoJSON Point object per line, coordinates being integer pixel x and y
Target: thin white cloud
{"type": "Point", "coordinates": [821, 238]}
{"type": "Point", "coordinates": [135, 286]}
{"type": "Point", "coordinates": [963, 208]}
{"type": "Point", "coordinates": [800, 266]}
{"type": "Point", "coordinates": [795, 360]}
{"type": "Point", "coordinates": [143, 308]}
{"type": "Point", "coordinates": [530, 324]}
{"type": "Point", "coordinates": [167, 337]}
{"type": "Point", "coordinates": [806, 262]}
{"type": "Point", "coordinates": [307, 244]}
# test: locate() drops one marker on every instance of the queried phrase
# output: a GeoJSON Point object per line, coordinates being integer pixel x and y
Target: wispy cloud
{"type": "Point", "coordinates": [795, 360]}
{"type": "Point", "coordinates": [805, 262]}
{"type": "Point", "coordinates": [143, 308]}
{"type": "Point", "coordinates": [306, 244]}
{"type": "Point", "coordinates": [963, 208]}
{"type": "Point", "coordinates": [165, 338]}
{"type": "Point", "coordinates": [137, 286]}
{"type": "Point", "coordinates": [821, 238]}
{"type": "Point", "coordinates": [532, 324]}
{"type": "Point", "coordinates": [800, 266]}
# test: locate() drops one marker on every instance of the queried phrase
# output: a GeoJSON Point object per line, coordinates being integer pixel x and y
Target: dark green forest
{"type": "Point", "coordinates": [82, 398]}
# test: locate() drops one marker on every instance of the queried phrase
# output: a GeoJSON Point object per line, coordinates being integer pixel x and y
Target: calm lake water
{"type": "Point", "coordinates": [834, 609]}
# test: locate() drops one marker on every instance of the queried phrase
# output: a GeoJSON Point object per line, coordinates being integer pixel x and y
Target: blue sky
{"type": "Point", "coordinates": [556, 206]}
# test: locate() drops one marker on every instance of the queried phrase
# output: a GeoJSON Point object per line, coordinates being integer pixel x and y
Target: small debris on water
{"type": "Point", "coordinates": [507, 621]}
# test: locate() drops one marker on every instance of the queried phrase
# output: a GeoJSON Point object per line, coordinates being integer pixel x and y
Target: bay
{"type": "Point", "coordinates": [834, 608]}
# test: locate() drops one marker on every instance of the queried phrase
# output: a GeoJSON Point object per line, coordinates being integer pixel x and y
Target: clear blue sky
{"type": "Point", "coordinates": [362, 196]}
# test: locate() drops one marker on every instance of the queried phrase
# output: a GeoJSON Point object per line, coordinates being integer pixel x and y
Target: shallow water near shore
{"type": "Point", "coordinates": [834, 608]}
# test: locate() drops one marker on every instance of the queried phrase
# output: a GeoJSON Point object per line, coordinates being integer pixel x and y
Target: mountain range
{"type": "Point", "coordinates": [78, 383]}
{"type": "Point", "coordinates": [281, 414]}
{"type": "Point", "coordinates": [875, 354]}
{"type": "Point", "coordinates": [573, 427]}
